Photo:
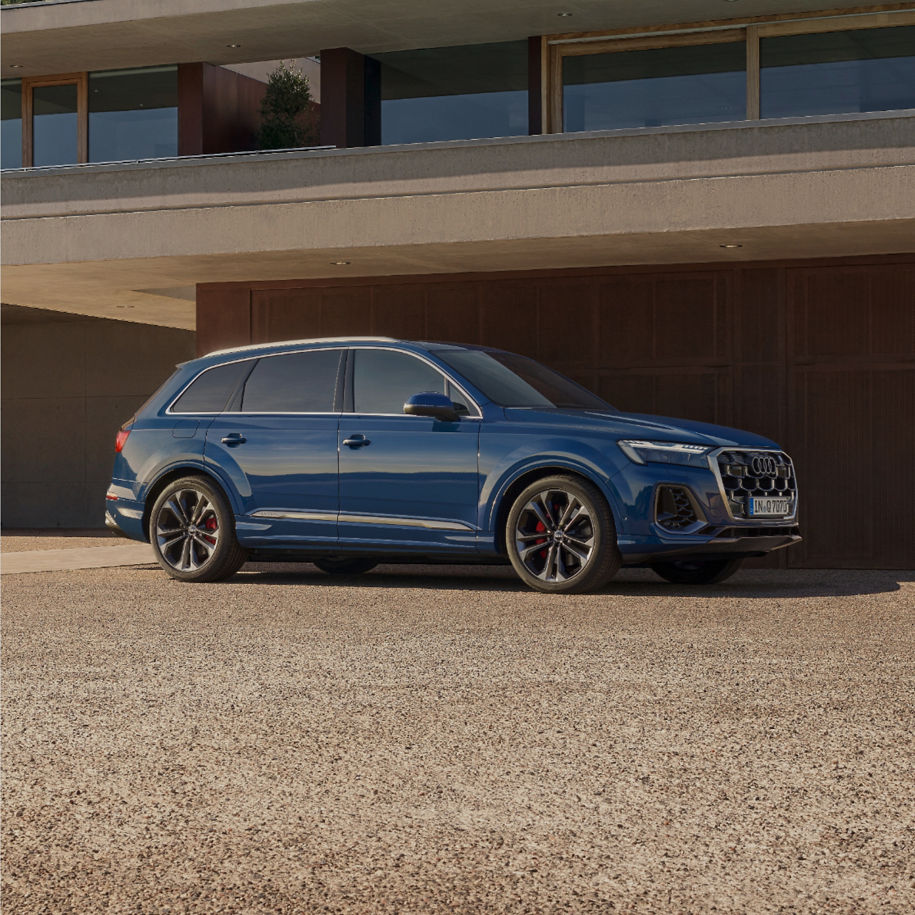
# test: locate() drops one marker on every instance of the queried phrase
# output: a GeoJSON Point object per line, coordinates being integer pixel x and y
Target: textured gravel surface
{"type": "Point", "coordinates": [444, 741]}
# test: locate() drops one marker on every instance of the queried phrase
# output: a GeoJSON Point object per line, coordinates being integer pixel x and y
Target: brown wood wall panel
{"type": "Point", "coordinates": [819, 356]}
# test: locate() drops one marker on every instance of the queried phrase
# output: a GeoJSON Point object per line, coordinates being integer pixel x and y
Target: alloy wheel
{"type": "Point", "coordinates": [554, 536]}
{"type": "Point", "coordinates": [187, 530]}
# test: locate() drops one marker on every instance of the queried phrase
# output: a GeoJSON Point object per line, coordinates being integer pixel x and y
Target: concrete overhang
{"type": "Point", "coordinates": [130, 240]}
{"type": "Point", "coordinates": [74, 35]}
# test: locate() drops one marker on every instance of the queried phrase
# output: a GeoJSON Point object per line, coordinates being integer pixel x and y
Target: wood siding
{"type": "Point", "coordinates": [819, 356]}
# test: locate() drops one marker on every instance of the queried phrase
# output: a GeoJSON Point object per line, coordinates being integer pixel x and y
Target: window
{"type": "Point", "coordinates": [742, 69]}
{"type": "Point", "coordinates": [295, 383]}
{"type": "Point", "coordinates": [511, 380]}
{"type": "Point", "coordinates": [649, 88]}
{"type": "Point", "coordinates": [11, 134]}
{"type": "Point", "coordinates": [133, 114]}
{"type": "Point", "coordinates": [55, 124]}
{"type": "Point", "coordinates": [454, 93]}
{"type": "Point", "coordinates": [210, 391]}
{"type": "Point", "coordinates": [831, 72]}
{"type": "Point", "coordinates": [383, 381]}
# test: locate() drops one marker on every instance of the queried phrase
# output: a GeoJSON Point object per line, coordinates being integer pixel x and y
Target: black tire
{"type": "Point", "coordinates": [345, 566]}
{"type": "Point", "coordinates": [696, 572]}
{"type": "Point", "coordinates": [192, 531]}
{"type": "Point", "coordinates": [578, 550]}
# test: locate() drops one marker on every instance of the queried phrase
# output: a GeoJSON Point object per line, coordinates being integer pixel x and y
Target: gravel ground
{"type": "Point", "coordinates": [430, 741]}
{"type": "Point", "coordinates": [20, 541]}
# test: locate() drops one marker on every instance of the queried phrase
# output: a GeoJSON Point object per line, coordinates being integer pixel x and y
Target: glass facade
{"type": "Point", "coordinates": [133, 114]}
{"type": "Point", "coordinates": [690, 84]}
{"type": "Point", "coordinates": [454, 93]}
{"type": "Point", "coordinates": [55, 125]}
{"type": "Point", "coordinates": [832, 72]}
{"type": "Point", "coordinates": [11, 132]}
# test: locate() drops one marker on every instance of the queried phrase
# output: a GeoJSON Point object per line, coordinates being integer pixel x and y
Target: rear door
{"type": "Point", "coordinates": [406, 481]}
{"type": "Point", "coordinates": [278, 443]}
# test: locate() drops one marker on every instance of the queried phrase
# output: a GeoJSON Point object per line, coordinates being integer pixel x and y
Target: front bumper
{"type": "Point", "coordinates": [726, 546]}
{"type": "Point", "coordinates": [715, 532]}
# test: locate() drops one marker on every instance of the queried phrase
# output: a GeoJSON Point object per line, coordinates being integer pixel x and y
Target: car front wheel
{"type": "Point", "coordinates": [696, 572]}
{"type": "Point", "coordinates": [192, 531]}
{"type": "Point", "coordinates": [560, 536]}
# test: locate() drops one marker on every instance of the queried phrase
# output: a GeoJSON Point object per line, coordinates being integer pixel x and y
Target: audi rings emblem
{"type": "Point", "coordinates": [764, 465]}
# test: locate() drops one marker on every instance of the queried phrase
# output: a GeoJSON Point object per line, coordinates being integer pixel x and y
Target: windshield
{"type": "Point", "coordinates": [516, 381]}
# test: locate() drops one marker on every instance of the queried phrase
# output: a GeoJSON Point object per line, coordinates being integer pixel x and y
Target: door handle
{"type": "Point", "coordinates": [233, 438]}
{"type": "Point", "coordinates": [356, 441]}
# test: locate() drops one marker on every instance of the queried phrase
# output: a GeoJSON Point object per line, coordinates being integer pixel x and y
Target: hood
{"type": "Point", "coordinates": [643, 425]}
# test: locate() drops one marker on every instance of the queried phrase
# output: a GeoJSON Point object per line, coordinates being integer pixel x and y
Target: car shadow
{"type": "Point", "coordinates": [750, 584]}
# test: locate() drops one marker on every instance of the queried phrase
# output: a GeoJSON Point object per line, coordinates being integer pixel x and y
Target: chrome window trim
{"type": "Point", "coordinates": [431, 364]}
{"type": "Point", "coordinates": [713, 465]}
{"type": "Point", "coordinates": [427, 523]}
{"type": "Point", "coordinates": [253, 358]}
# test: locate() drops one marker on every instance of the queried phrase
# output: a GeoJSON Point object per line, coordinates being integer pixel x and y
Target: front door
{"type": "Point", "coordinates": [406, 480]}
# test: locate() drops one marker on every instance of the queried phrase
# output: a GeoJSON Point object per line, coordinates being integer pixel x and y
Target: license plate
{"type": "Point", "coordinates": [766, 506]}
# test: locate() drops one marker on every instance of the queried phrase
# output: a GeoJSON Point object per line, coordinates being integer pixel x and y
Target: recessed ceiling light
{"type": "Point", "coordinates": [15, 66]}
{"type": "Point", "coordinates": [233, 45]}
{"type": "Point", "coordinates": [563, 15]}
{"type": "Point", "coordinates": [340, 263]}
{"type": "Point", "coordinates": [730, 246]}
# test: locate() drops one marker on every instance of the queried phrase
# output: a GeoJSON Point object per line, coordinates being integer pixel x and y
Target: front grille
{"type": "Point", "coordinates": [741, 479]}
{"type": "Point", "coordinates": [674, 508]}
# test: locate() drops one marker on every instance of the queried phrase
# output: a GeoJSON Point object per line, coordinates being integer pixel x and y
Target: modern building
{"type": "Point", "coordinates": [701, 208]}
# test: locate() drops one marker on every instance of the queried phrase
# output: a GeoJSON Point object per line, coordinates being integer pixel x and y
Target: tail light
{"type": "Point", "coordinates": [121, 438]}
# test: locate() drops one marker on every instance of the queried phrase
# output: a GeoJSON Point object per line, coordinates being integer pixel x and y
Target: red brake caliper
{"type": "Point", "coordinates": [211, 524]}
{"type": "Point", "coordinates": [540, 527]}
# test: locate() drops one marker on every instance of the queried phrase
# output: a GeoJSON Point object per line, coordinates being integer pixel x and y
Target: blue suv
{"type": "Point", "coordinates": [349, 452]}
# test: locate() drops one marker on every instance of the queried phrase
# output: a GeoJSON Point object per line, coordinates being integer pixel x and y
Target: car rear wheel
{"type": "Point", "coordinates": [696, 572]}
{"type": "Point", "coordinates": [340, 566]}
{"type": "Point", "coordinates": [560, 536]}
{"type": "Point", "coordinates": [192, 531]}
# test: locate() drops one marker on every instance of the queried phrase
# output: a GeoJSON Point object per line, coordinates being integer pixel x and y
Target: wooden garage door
{"type": "Point", "coordinates": [820, 357]}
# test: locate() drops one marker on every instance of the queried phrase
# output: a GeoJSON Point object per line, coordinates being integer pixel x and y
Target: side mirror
{"type": "Point", "coordinates": [430, 403]}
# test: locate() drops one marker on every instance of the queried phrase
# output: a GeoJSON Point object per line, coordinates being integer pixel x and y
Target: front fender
{"type": "Point", "coordinates": [552, 454]}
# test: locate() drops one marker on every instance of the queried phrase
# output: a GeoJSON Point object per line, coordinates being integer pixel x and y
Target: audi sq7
{"type": "Point", "coordinates": [349, 452]}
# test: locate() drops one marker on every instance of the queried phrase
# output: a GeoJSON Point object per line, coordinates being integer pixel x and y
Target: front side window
{"type": "Point", "coordinates": [383, 381]}
{"type": "Point", "coordinates": [510, 380]}
{"type": "Point", "coordinates": [455, 93]}
{"type": "Point", "coordinates": [133, 114]}
{"type": "Point", "coordinates": [210, 391]}
{"type": "Point", "coordinates": [834, 72]}
{"type": "Point", "coordinates": [690, 84]}
{"type": "Point", "coordinates": [303, 382]}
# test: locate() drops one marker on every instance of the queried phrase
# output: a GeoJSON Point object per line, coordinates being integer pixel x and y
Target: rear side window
{"type": "Point", "coordinates": [210, 391]}
{"type": "Point", "coordinates": [383, 380]}
{"type": "Point", "coordinates": [294, 383]}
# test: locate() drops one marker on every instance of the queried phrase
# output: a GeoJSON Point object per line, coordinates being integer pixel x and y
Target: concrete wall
{"type": "Point", "coordinates": [68, 384]}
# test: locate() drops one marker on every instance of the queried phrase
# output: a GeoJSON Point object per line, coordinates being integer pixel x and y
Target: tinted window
{"type": "Point", "coordinates": [54, 125]}
{"type": "Point", "coordinates": [454, 93]}
{"type": "Point", "coordinates": [133, 114]}
{"type": "Point", "coordinates": [677, 85]}
{"type": "Point", "coordinates": [295, 383]}
{"type": "Point", "coordinates": [383, 380]}
{"type": "Point", "coordinates": [516, 381]}
{"type": "Point", "coordinates": [857, 70]}
{"type": "Point", "coordinates": [210, 392]}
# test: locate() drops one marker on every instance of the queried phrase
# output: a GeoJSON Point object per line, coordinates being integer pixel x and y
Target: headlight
{"type": "Point", "coordinates": [664, 452]}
